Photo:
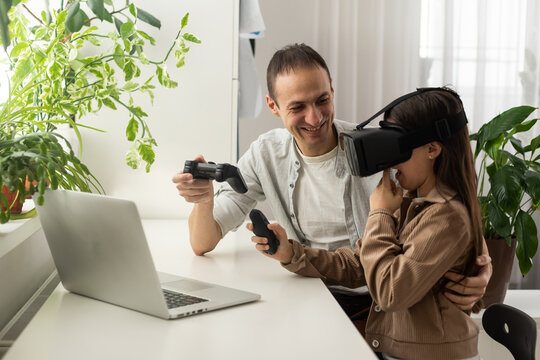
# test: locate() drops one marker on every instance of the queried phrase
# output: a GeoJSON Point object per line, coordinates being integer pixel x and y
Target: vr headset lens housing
{"type": "Point", "coordinates": [372, 150]}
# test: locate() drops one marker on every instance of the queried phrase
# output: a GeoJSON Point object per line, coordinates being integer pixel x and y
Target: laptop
{"type": "Point", "coordinates": [100, 251]}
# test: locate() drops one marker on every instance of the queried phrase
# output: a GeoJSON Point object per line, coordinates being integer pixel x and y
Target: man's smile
{"type": "Point", "coordinates": [313, 128]}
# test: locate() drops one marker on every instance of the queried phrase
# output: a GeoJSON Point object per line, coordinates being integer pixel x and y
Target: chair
{"type": "Point", "coordinates": [512, 328]}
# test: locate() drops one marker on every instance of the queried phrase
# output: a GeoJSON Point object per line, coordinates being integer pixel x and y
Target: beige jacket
{"type": "Point", "coordinates": [402, 259]}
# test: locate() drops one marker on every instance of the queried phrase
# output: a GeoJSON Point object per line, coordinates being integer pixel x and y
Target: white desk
{"type": "Point", "coordinates": [296, 318]}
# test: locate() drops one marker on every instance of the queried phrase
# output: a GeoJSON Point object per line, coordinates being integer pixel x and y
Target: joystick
{"type": "Point", "coordinates": [260, 228]}
{"type": "Point", "coordinates": [218, 172]}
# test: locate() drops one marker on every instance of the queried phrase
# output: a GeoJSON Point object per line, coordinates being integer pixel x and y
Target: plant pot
{"type": "Point", "coordinates": [27, 185]}
{"type": "Point", "coordinates": [11, 197]}
{"type": "Point", "coordinates": [502, 259]}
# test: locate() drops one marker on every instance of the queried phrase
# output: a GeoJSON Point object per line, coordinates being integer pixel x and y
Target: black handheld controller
{"type": "Point", "coordinates": [260, 228]}
{"type": "Point", "coordinates": [218, 172]}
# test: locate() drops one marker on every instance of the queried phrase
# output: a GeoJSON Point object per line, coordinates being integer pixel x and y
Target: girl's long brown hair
{"type": "Point", "coordinates": [454, 167]}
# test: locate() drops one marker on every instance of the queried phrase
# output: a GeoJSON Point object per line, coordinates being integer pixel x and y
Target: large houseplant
{"type": "Point", "coordinates": [64, 64]}
{"type": "Point", "coordinates": [509, 192]}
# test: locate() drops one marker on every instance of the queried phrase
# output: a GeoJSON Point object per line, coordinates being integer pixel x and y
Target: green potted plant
{"type": "Point", "coordinates": [509, 192]}
{"type": "Point", "coordinates": [63, 65]}
{"type": "Point", "coordinates": [31, 162]}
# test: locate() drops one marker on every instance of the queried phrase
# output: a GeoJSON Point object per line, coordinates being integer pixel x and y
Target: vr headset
{"type": "Point", "coordinates": [372, 150]}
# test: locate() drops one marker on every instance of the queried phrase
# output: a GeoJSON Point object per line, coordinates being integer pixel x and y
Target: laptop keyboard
{"type": "Point", "coordinates": [175, 299]}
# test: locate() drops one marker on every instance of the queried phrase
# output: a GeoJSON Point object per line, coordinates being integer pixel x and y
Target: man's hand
{"type": "Point", "coordinates": [194, 190]}
{"type": "Point", "coordinates": [472, 289]}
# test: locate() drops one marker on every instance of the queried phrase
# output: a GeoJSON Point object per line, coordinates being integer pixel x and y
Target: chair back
{"type": "Point", "coordinates": [512, 328]}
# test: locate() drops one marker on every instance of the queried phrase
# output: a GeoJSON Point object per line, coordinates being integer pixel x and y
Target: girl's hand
{"type": "Point", "coordinates": [387, 195]}
{"type": "Point", "coordinates": [284, 251]}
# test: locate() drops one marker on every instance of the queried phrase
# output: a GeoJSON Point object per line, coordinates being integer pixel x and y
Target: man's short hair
{"type": "Point", "coordinates": [288, 59]}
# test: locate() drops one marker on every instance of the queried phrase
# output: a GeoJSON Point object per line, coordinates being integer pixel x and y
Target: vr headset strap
{"type": "Point", "coordinates": [439, 131]}
{"type": "Point", "coordinates": [387, 107]}
{"type": "Point", "coordinates": [400, 99]}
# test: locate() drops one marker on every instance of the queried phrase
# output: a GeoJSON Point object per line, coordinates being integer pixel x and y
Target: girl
{"type": "Point", "coordinates": [410, 242]}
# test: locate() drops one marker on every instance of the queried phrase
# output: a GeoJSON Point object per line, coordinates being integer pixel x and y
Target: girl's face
{"type": "Point", "coordinates": [417, 172]}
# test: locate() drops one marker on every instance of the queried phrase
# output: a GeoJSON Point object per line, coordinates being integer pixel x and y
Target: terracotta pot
{"type": "Point", "coordinates": [27, 185]}
{"type": "Point", "coordinates": [17, 207]}
{"type": "Point", "coordinates": [502, 259]}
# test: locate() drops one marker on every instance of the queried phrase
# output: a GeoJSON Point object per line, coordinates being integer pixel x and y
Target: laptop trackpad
{"type": "Point", "coordinates": [186, 285]}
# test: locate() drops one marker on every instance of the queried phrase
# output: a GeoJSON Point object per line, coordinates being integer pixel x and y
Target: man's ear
{"type": "Point", "coordinates": [272, 105]}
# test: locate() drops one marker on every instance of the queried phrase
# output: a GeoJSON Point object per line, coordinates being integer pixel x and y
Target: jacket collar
{"type": "Point", "coordinates": [438, 195]}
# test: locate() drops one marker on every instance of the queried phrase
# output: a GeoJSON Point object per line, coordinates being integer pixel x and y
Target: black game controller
{"type": "Point", "coordinates": [260, 228]}
{"type": "Point", "coordinates": [218, 172]}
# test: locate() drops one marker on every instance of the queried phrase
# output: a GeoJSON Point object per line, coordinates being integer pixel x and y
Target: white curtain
{"type": "Point", "coordinates": [488, 50]}
{"type": "Point", "coordinates": [371, 47]}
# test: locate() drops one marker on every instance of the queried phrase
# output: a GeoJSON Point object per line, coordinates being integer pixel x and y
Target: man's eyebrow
{"type": "Point", "coordinates": [294, 103]}
{"type": "Point", "coordinates": [298, 102]}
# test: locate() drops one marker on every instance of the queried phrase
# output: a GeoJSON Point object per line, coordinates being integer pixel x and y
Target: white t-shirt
{"type": "Point", "coordinates": [318, 202]}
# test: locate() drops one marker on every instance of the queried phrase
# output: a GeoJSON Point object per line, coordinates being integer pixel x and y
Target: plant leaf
{"type": "Point", "coordinates": [147, 37]}
{"type": "Point", "coordinates": [147, 153]}
{"type": "Point", "coordinates": [132, 158]}
{"type": "Point", "coordinates": [501, 124]}
{"type": "Point", "coordinates": [129, 70]}
{"type": "Point", "coordinates": [523, 127]}
{"type": "Point", "coordinates": [191, 38]}
{"type": "Point", "coordinates": [130, 85]}
{"type": "Point", "coordinates": [527, 241]}
{"type": "Point", "coordinates": [127, 29]}
{"type": "Point", "coordinates": [516, 143]}
{"type": "Point", "coordinates": [22, 69]}
{"type": "Point", "coordinates": [16, 50]}
{"type": "Point", "coordinates": [492, 147]}
{"type": "Point", "coordinates": [5, 5]}
{"type": "Point", "coordinates": [75, 17]}
{"type": "Point", "coordinates": [137, 111]}
{"type": "Point", "coordinates": [535, 143]}
{"type": "Point", "coordinates": [109, 103]}
{"type": "Point", "coordinates": [133, 9]}
{"type": "Point", "coordinates": [519, 164]}
{"type": "Point", "coordinates": [532, 181]}
{"type": "Point", "coordinates": [148, 18]}
{"type": "Point", "coordinates": [97, 8]}
{"type": "Point", "coordinates": [498, 219]}
{"type": "Point", "coordinates": [117, 23]}
{"type": "Point", "coordinates": [132, 129]}
{"type": "Point", "coordinates": [180, 62]}
{"type": "Point", "coordinates": [506, 189]}
{"type": "Point", "coordinates": [119, 56]}
{"type": "Point", "coordinates": [184, 21]}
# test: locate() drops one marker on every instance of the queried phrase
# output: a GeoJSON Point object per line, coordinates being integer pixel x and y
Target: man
{"type": "Point", "coordinates": [301, 172]}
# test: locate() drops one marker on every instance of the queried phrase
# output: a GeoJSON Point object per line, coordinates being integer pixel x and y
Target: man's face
{"type": "Point", "coordinates": [305, 103]}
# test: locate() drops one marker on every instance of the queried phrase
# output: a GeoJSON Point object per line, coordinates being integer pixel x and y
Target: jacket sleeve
{"type": "Point", "coordinates": [400, 277]}
{"type": "Point", "coordinates": [230, 207]}
{"type": "Point", "coordinates": [339, 267]}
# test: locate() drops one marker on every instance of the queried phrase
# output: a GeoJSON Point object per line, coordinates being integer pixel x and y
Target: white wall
{"type": "Point", "coordinates": [191, 119]}
{"type": "Point", "coordinates": [286, 22]}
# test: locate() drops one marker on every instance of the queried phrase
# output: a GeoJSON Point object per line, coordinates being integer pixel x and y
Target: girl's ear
{"type": "Point", "coordinates": [434, 150]}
